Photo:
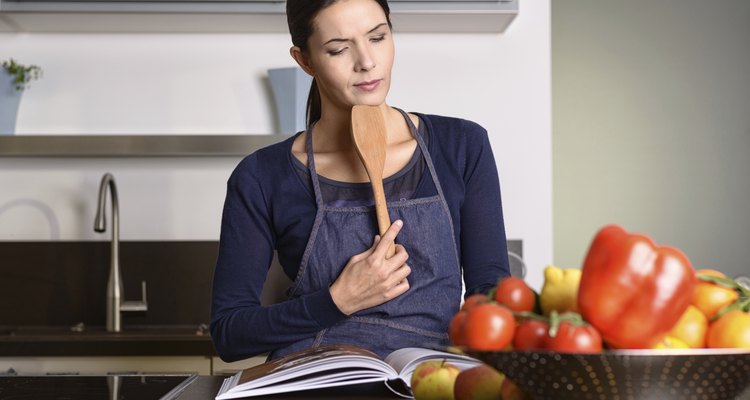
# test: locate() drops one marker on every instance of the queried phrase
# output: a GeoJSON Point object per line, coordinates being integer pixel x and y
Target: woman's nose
{"type": "Point", "coordinates": [365, 61]}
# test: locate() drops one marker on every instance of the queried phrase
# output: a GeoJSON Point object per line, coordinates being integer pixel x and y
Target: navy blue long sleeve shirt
{"type": "Point", "coordinates": [269, 208]}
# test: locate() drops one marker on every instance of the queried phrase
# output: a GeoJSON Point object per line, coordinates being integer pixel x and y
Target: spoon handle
{"type": "Point", "coordinates": [381, 210]}
{"type": "Point", "coordinates": [369, 132]}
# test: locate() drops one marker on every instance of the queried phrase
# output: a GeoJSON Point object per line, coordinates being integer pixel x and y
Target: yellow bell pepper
{"type": "Point", "coordinates": [671, 342]}
{"type": "Point", "coordinates": [560, 290]}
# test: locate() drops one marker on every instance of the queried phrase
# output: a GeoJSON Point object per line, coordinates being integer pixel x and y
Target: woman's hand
{"type": "Point", "coordinates": [369, 278]}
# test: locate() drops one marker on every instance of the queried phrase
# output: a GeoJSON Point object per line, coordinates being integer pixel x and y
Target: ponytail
{"type": "Point", "coordinates": [313, 104]}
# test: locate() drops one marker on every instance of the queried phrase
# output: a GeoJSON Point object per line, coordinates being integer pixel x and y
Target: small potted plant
{"type": "Point", "coordinates": [14, 79]}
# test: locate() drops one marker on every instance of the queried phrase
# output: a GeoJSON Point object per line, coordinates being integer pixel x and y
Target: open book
{"type": "Point", "coordinates": [330, 366]}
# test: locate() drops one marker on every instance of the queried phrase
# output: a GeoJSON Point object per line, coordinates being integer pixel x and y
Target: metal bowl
{"type": "Point", "coordinates": [627, 374]}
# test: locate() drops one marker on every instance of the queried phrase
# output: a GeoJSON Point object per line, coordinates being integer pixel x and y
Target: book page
{"type": "Point", "coordinates": [405, 360]}
{"type": "Point", "coordinates": [304, 357]}
{"type": "Point", "coordinates": [325, 366]}
{"type": "Point", "coordinates": [330, 366]}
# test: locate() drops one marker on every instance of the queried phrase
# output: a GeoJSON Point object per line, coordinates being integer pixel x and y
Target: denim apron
{"type": "Point", "coordinates": [417, 318]}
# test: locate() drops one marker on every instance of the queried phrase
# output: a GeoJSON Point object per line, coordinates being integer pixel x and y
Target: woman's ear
{"type": "Point", "coordinates": [302, 60]}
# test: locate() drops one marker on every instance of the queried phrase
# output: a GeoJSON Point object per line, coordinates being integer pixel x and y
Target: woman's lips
{"type": "Point", "coordinates": [368, 86]}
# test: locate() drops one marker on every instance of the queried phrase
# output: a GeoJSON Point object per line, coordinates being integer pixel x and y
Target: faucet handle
{"type": "Point", "coordinates": [141, 305]}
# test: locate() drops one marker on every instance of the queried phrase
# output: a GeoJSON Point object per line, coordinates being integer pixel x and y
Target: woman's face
{"type": "Point", "coordinates": [351, 53]}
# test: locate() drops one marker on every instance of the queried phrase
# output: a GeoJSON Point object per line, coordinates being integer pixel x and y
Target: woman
{"type": "Point", "coordinates": [309, 199]}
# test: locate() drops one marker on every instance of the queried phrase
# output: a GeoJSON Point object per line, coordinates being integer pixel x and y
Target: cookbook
{"type": "Point", "coordinates": [331, 366]}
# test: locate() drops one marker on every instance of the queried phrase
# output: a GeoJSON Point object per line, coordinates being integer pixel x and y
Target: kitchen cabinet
{"type": "Point", "coordinates": [236, 16]}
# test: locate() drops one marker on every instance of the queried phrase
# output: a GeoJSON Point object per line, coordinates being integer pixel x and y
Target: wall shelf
{"type": "Point", "coordinates": [134, 145]}
{"type": "Point", "coordinates": [245, 16]}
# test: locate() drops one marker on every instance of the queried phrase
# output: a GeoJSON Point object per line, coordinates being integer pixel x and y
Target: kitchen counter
{"type": "Point", "coordinates": [201, 388]}
{"type": "Point", "coordinates": [152, 387]}
{"type": "Point", "coordinates": [132, 341]}
{"type": "Point", "coordinates": [206, 387]}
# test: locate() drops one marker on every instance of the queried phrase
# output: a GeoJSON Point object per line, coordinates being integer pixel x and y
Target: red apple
{"type": "Point", "coordinates": [510, 391]}
{"type": "Point", "coordinates": [434, 380]}
{"type": "Point", "coordinates": [479, 383]}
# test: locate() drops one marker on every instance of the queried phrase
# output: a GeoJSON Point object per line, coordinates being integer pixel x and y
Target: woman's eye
{"type": "Point", "coordinates": [378, 38]}
{"type": "Point", "coordinates": [336, 52]}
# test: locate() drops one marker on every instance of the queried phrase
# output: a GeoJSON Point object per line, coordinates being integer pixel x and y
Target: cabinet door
{"type": "Point", "coordinates": [451, 16]}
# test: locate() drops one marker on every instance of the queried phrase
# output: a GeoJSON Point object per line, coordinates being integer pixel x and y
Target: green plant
{"type": "Point", "coordinates": [22, 74]}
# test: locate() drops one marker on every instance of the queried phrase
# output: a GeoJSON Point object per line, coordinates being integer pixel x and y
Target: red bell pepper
{"type": "Point", "coordinates": [631, 290]}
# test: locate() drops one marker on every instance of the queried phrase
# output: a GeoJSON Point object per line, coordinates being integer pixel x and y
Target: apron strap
{"type": "Point", "coordinates": [311, 166]}
{"type": "Point", "coordinates": [426, 154]}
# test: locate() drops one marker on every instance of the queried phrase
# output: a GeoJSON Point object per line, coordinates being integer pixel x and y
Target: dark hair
{"type": "Point", "coordinates": [299, 17]}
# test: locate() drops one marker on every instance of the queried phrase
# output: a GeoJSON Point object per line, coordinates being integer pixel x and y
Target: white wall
{"type": "Point", "coordinates": [651, 119]}
{"type": "Point", "coordinates": [214, 83]}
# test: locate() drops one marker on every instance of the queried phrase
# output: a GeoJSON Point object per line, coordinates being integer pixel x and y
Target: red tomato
{"type": "Point", "coordinates": [574, 339]}
{"type": "Point", "coordinates": [515, 294]}
{"type": "Point", "coordinates": [474, 300]}
{"type": "Point", "coordinates": [530, 335]}
{"type": "Point", "coordinates": [488, 327]}
{"type": "Point", "coordinates": [455, 329]}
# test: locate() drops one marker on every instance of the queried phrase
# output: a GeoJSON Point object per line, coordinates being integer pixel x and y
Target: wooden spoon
{"type": "Point", "coordinates": [369, 135]}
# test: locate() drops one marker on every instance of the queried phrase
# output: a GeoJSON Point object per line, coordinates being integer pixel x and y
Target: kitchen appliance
{"type": "Point", "coordinates": [110, 387]}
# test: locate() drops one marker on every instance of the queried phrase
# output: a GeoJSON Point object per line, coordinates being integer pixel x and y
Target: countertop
{"type": "Point", "coordinates": [152, 387]}
{"type": "Point", "coordinates": [132, 341]}
{"type": "Point", "coordinates": [206, 387]}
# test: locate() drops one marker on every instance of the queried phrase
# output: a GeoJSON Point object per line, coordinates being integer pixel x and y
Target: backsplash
{"type": "Point", "coordinates": [64, 283]}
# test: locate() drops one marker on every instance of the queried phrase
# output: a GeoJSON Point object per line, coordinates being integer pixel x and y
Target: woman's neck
{"type": "Point", "coordinates": [332, 133]}
{"type": "Point", "coordinates": [335, 155]}
{"type": "Point", "coordinates": [333, 130]}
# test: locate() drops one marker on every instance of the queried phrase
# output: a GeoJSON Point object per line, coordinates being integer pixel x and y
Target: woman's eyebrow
{"type": "Point", "coordinates": [376, 27]}
{"type": "Point", "coordinates": [346, 40]}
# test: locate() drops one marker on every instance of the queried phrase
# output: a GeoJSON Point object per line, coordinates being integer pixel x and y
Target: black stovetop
{"type": "Point", "coordinates": [111, 387]}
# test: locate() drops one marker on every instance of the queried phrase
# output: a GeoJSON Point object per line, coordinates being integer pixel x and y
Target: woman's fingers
{"type": "Point", "coordinates": [401, 282]}
{"type": "Point", "coordinates": [369, 278]}
{"type": "Point", "coordinates": [397, 282]}
{"type": "Point", "coordinates": [402, 273]}
{"type": "Point", "coordinates": [399, 257]}
{"type": "Point", "coordinates": [387, 240]}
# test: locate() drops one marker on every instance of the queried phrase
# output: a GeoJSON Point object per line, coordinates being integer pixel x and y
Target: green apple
{"type": "Point", "coordinates": [434, 380]}
{"type": "Point", "coordinates": [479, 383]}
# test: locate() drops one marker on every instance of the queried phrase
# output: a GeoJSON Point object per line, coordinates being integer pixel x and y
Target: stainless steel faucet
{"type": "Point", "coordinates": [115, 293]}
